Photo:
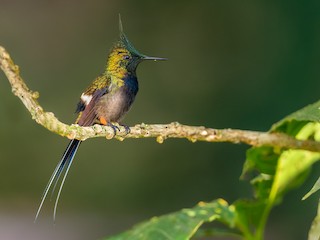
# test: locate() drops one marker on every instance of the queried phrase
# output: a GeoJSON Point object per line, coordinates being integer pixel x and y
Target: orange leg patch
{"type": "Point", "coordinates": [103, 121]}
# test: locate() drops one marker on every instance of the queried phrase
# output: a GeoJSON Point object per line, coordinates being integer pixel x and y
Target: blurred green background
{"type": "Point", "coordinates": [232, 64]}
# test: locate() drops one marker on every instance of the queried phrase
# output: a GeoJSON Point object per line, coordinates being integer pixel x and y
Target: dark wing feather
{"type": "Point", "coordinates": [80, 106]}
{"type": "Point", "coordinates": [88, 115]}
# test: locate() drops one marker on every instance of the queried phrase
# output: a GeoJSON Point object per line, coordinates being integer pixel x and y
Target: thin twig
{"type": "Point", "coordinates": [158, 131]}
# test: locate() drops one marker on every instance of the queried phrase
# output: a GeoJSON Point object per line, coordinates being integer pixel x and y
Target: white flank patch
{"type": "Point", "coordinates": [86, 98]}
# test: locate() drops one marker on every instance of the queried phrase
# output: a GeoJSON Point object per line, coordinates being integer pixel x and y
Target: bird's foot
{"type": "Point", "coordinates": [104, 122]}
{"type": "Point", "coordinates": [127, 128]}
{"type": "Point", "coordinates": [114, 127]}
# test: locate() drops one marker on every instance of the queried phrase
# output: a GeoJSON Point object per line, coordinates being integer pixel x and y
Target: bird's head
{"type": "Point", "coordinates": [124, 58]}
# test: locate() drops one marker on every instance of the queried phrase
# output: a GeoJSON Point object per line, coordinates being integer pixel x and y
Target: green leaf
{"type": "Point", "coordinates": [183, 224]}
{"type": "Point", "coordinates": [207, 233]}
{"type": "Point", "coordinates": [291, 171]}
{"type": "Point", "coordinates": [282, 171]}
{"type": "Point", "coordinates": [310, 113]}
{"type": "Point", "coordinates": [262, 159]}
{"type": "Point", "coordinates": [315, 188]}
{"type": "Point", "coordinates": [303, 124]}
{"type": "Point", "coordinates": [262, 186]}
{"type": "Point", "coordinates": [249, 214]}
{"type": "Point", "coordinates": [293, 165]}
{"type": "Point", "coordinates": [314, 233]}
{"type": "Point", "coordinates": [278, 171]}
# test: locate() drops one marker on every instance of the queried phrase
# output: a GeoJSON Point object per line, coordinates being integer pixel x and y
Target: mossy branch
{"type": "Point", "coordinates": [158, 131]}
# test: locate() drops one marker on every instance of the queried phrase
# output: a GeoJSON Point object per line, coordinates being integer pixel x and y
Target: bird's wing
{"type": "Point", "coordinates": [86, 107]}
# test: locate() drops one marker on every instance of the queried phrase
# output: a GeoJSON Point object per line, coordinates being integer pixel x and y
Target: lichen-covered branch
{"type": "Point", "coordinates": [158, 131]}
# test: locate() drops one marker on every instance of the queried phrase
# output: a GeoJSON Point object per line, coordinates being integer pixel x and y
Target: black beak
{"type": "Point", "coordinates": [153, 58]}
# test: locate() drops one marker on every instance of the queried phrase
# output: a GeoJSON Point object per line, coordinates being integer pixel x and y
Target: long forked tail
{"type": "Point", "coordinates": [63, 166]}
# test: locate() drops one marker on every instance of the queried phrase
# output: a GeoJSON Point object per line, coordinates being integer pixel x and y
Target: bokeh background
{"type": "Point", "coordinates": [233, 64]}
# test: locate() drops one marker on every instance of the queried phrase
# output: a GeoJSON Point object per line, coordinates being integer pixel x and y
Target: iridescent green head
{"type": "Point", "coordinates": [124, 58]}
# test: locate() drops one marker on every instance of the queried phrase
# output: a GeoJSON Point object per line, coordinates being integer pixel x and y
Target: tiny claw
{"type": "Point", "coordinates": [114, 127]}
{"type": "Point", "coordinates": [127, 128]}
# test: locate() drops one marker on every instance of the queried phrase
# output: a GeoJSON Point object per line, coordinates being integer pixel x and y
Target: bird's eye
{"type": "Point", "coordinates": [126, 57]}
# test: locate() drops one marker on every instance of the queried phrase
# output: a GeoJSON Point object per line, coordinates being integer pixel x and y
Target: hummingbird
{"type": "Point", "coordinates": [105, 102]}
